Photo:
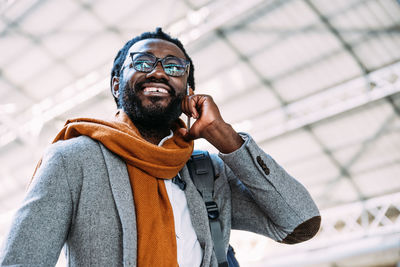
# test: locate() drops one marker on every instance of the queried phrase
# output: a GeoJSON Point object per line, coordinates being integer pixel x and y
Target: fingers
{"type": "Point", "coordinates": [204, 110]}
{"type": "Point", "coordinates": [193, 100]}
{"type": "Point", "coordinates": [190, 105]}
{"type": "Point", "coordinates": [183, 132]}
{"type": "Point", "coordinates": [187, 135]}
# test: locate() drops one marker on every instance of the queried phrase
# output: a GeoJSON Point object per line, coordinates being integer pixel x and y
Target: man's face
{"type": "Point", "coordinates": [152, 99]}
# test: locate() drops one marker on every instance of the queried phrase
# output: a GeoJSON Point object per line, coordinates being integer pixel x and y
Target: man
{"type": "Point", "coordinates": [108, 190]}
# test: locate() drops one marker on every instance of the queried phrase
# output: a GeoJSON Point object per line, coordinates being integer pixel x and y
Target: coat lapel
{"type": "Point", "coordinates": [122, 192]}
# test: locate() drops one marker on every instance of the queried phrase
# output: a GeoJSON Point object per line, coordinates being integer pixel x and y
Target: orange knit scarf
{"type": "Point", "coordinates": [147, 166]}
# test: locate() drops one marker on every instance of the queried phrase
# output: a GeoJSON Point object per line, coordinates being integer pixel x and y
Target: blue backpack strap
{"type": "Point", "coordinates": [232, 261]}
{"type": "Point", "coordinates": [202, 173]}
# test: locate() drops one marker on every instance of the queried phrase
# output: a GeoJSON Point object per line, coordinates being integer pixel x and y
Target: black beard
{"type": "Point", "coordinates": [150, 120]}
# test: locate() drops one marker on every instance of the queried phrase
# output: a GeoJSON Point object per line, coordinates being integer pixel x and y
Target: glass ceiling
{"type": "Point", "coordinates": [315, 82]}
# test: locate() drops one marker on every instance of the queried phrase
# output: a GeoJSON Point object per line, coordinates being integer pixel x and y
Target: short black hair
{"type": "Point", "coordinates": [158, 34]}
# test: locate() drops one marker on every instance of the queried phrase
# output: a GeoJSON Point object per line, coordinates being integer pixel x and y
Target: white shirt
{"type": "Point", "coordinates": [189, 251]}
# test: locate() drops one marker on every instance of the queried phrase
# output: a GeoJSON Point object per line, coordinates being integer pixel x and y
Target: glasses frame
{"type": "Point", "coordinates": [187, 63]}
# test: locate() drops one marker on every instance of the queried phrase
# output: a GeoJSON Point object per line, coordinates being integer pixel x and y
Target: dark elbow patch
{"type": "Point", "coordinates": [304, 231]}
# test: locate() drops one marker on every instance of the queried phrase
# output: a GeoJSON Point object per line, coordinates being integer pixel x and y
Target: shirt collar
{"type": "Point", "coordinates": [171, 134]}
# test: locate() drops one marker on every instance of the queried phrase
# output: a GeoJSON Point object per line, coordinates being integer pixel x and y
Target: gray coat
{"type": "Point", "coordinates": [81, 198]}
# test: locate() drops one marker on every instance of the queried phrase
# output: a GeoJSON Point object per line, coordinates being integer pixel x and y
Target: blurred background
{"type": "Point", "coordinates": [315, 82]}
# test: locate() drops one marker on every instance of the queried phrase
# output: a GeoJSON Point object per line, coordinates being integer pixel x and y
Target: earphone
{"type": "Point", "coordinates": [188, 117]}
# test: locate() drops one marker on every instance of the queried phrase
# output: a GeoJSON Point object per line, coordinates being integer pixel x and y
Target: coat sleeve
{"type": "Point", "coordinates": [40, 226]}
{"type": "Point", "coordinates": [266, 199]}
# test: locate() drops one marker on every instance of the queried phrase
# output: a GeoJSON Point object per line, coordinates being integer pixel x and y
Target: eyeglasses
{"type": "Point", "coordinates": [173, 66]}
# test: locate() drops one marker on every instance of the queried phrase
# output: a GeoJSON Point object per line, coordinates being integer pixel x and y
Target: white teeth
{"type": "Point", "coordinates": [156, 89]}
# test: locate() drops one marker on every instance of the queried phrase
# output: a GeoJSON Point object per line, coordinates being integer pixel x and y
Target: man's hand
{"type": "Point", "coordinates": [209, 124]}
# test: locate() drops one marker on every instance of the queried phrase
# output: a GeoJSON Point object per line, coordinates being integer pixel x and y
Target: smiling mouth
{"type": "Point", "coordinates": [156, 90]}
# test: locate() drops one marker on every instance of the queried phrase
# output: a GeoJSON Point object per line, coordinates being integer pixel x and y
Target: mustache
{"type": "Point", "coordinates": [139, 85]}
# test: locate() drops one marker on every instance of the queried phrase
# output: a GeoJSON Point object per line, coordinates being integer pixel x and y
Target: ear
{"type": "Point", "coordinates": [115, 86]}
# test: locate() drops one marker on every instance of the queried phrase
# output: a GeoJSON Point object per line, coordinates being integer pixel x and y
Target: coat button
{"type": "Point", "coordinates": [259, 160]}
{"type": "Point", "coordinates": [263, 165]}
{"type": "Point", "coordinates": [266, 170]}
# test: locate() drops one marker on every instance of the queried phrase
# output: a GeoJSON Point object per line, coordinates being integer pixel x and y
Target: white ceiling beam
{"type": "Point", "coordinates": [211, 17]}
{"type": "Point", "coordinates": [331, 102]}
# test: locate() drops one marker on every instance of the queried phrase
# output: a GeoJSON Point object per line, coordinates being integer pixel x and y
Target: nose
{"type": "Point", "coordinates": [158, 72]}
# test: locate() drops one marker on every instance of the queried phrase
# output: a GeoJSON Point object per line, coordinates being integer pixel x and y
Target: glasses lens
{"type": "Point", "coordinates": [143, 62]}
{"type": "Point", "coordinates": [174, 66]}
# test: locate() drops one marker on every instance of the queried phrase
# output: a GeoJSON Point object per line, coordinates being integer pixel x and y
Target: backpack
{"type": "Point", "coordinates": [201, 171]}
